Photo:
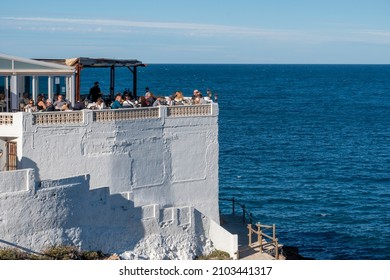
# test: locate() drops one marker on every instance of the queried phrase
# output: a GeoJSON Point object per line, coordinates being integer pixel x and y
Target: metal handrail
{"type": "Point", "coordinates": [246, 215]}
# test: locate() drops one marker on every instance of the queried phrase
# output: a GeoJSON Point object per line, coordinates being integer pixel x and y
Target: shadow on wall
{"type": "Point", "coordinates": [25, 163]}
{"type": "Point", "coordinates": [66, 212]}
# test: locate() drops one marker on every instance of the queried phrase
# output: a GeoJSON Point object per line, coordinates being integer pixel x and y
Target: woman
{"type": "Point", "coordinates": [142, 102]}
{"type": "Point", "coordinates": [100, 104]}
{"type": "Point", "coordinates": [179, 98]}
{"type": "Point", "coordinates": [41, 106]}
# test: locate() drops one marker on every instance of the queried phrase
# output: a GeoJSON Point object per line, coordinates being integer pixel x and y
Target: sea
{"type": "Point", "coordinates": [304, 147]}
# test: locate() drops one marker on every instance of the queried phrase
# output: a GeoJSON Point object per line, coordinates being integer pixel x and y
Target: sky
{"type": "Point", "coordinates": [201, 31]}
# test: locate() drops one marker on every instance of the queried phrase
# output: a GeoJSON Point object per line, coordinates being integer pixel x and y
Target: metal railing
{"type": "Point", "coordinates": [246, 215]}
{"type": "Point", "coordinates": [264, 241]}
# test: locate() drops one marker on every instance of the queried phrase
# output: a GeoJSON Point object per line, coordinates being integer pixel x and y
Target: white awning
{"type": "Point", "coordinates": [11, 65]}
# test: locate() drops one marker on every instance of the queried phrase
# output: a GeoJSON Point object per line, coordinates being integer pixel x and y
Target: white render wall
{"type": "Point", "coordinates": [169, 161]}
{"type": "Point", "coordinates": [35, 217]}
{"type": "Point", "coordinates": [67, 212]}
{"type": "Point", "coordinates": [145, 188]}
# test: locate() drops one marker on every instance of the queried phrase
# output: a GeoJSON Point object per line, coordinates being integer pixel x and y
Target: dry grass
{"type": "Point", "coordinates": [53, 253]}
{"type": "Point", "coordinates": [216, 255]}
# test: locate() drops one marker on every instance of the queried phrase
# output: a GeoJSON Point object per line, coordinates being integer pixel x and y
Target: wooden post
{"type": "Point", "coordinates": [233, 205]}
{"type": "Point", "coordinates": [276, 249]}
{"type": "Point", "coordinates": [261, 240]}
{"type": "Point", "coordinates": [249, 235]}
{"type": "Point", "coordinates": [273, 231]}
{"type": "Point", "coordinates": [259, 237]}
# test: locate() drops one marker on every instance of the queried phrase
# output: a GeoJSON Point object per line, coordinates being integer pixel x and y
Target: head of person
{"type": "Point", "coordinates": [178, 95]}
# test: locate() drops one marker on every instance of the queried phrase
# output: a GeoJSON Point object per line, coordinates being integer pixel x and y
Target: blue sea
{"type": "Point", "coordinates": [305, 147]}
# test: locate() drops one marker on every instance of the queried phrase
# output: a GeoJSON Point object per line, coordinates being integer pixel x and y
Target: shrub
{"type": "Point", "coordinates": [216, 255]}
{"type": "Point", "coordinates": [53, 253]}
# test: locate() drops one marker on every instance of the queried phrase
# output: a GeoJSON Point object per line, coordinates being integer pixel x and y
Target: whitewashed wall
{"type": "Point", "coordinates": [170, 161]}
{"type": "Point", "coordinates": [66, 211]}
{"type": "Point", "coordinates": [151, 183]}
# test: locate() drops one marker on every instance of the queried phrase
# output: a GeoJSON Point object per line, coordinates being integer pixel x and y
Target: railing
{"type": "Point", "coordinates": [77, 117]}
{"type": "Point", "coordinates": [189, 110]}
{"type": "Point", "coordinates": [126, 114]}
{"type": "Point", "coordinates": [268, 241]}
{"type": "Point", "coordinates": [246, 216]}
{"type": "Point", "coordinates": [6, 119]}
{"type": "Point", "coordinates": [264, 241]}
{"type": "Point", "coordinates": [66, 117]}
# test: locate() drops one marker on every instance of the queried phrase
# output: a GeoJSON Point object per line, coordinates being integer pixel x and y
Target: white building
{"type": "Point", "coordinates": [138, 182]}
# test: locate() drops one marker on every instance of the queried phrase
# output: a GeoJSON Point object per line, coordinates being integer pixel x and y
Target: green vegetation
{"type": "Point", "coordinates": [216, 255]}
{"type": "Point", "coordinates": [73, 253]}
{"type": "Point", "coordinates": [53, 253]}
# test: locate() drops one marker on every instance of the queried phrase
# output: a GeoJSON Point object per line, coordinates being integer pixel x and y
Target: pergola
{"type": "Point", "coordinates": [87, 62]}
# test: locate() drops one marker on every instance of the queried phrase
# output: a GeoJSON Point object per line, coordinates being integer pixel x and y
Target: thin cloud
{"type": "Point", "coordinates": [104, 25]}
{"type": "Point", "coordinates": [196, 30]}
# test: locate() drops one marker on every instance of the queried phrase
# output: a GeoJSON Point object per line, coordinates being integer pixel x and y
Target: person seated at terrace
{"type": "Point", "coordinates": [41, 105]}
{"type": "Point", "coordinates": [197, 101]}
{"type": "Point", "coordinates": [169, 100]}
{"type": "Point", "coordinates": [80, 104]}
{"type": "Point", "coordinates": [127, 103]}
{"type": "Point", "coordinates": [100, 104]}
{"type": "Point", "coordinates": [2, 102]}
{"type": "Point", "coordinates": [160, 101]}
{"type": "Point", "coordinates": [61, 102]}
{"type": "Point", "coordinates": [49, 106]}
{"type": "Point", "coordinates": [142, 102]}
{"type": "Point", "coordinates": [197, 95]}
{"type": "Point", "coordinates": [150, 98]}
{"type": "Point", "coordinates": [117, 104]}
{"type": "Point", "coordinates": [30, 107]}
{"type": "Point", "coordinates": [26, 98]}
{"type": "Point", "coordinates": [179, 98]}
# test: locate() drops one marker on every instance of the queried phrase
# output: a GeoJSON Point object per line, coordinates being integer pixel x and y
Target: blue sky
{"type": "Point", "coordinates": [173, 31]}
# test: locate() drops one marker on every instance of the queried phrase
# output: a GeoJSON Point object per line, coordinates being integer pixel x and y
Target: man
{"type": "Point", "coordinates": [117, 104]}
{"type": "Point", "coordinates": [49, 106]}
{"type": "Point", "coordinates": [80, 104]}
{"type": "Point", "coordinates": [197, 97]}
{"type": "Point", "coordinates": [94, 92]}
{"type": "Point", "coordinates": [60, 102]}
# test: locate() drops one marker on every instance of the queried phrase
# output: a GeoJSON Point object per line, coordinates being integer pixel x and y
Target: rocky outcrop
{"type": "Point", "coordinates": [292, 253]}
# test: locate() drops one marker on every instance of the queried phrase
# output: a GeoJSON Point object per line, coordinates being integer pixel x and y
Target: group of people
{"type": "Point", "coordinates": [95, 100]}
{"type": "Point", "coordinates": [127, 100]}
{"type": "Point", "coordinates": [42, 105]}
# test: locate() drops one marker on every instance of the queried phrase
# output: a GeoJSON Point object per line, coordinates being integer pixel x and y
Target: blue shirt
{"type": "Point", "coordinates": [116, 105]}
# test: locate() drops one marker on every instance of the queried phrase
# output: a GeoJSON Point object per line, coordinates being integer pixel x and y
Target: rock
{"type": "Point", "coordinates": [292, 253]}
